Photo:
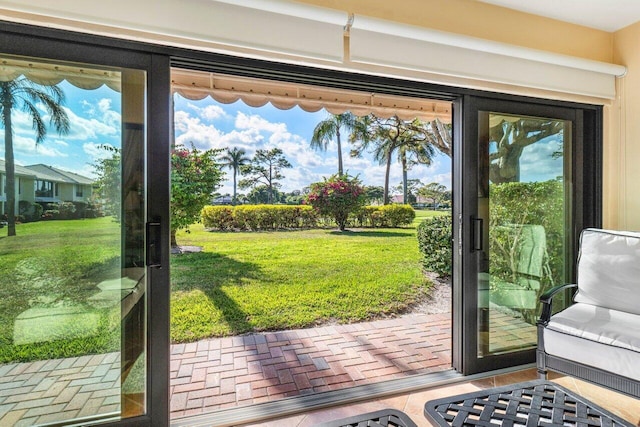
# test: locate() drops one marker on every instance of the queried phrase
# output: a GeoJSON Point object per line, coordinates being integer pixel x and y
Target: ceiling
{"type": "Point", "coordinates": [606, 15]}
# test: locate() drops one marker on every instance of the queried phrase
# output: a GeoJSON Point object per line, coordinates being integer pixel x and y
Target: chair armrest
{"type": "Point", "coordinates": [546, 300]}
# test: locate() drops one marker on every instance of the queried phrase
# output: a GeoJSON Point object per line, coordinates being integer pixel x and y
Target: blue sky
{"type": "Point", "coordinates": [95, 117]}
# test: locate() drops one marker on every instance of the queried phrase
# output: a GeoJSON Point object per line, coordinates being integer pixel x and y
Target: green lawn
{"type": "Point", "coordinates": [248, 281]}
{"type": "Point", "coordinates": [240, 282]}
{"type": "Point", "coordinates": [57, 265]}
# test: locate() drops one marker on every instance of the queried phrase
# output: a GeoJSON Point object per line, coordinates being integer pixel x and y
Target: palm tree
{"type": "Point", "coordinates": [413, 149]}
{"type": "Point", "coordinates": [411, 140]}
{"type": "Point", "coordinates": [328, 129]}
{"type": "Point", "coordinates": [26, 95]}
{"type": "Point", "coordinates": [235, 159]}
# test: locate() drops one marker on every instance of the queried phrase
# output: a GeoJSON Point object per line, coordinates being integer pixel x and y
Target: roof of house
{"type": "Point", "coordinates": [54, 174]}
{"type": "Point", "coordinates": [20, 170]}
{"type": "Point", "coordinates": [48, 173]}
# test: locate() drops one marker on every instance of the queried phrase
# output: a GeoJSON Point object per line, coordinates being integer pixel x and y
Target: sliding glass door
{"type": "Point", "coordinates": [80, 240]}
{"type": "Point", "coordinates": [522, 208]}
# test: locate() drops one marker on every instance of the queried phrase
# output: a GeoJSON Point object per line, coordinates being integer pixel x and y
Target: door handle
{"type": "Point", "coordinates": [154, 244]}
{"type": "Point", "coordinates": [477, 225]}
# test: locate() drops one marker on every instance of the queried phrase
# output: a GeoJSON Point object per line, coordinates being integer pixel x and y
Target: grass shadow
{"type": "Point", "coordinates": [206, 272]}
{"type": "Point", "coordinates": [211, 267]}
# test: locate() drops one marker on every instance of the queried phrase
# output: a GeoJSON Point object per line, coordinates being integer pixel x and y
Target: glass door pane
{"type": "Point", "coordinates": [521, 230]}
{"type": "Point", "coordinates": [72, 242]}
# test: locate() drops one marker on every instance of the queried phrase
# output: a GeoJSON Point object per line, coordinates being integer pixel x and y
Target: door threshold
{"type": "Point", "coordinates": [299, 404]}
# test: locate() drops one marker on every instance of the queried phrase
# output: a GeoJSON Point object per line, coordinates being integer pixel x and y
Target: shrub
{"type": "Point", "coordinates": [258, 217]}
{"type": "Point", "coordinates": [67, 210]}
{"type": "Point", "coordinates": [434, 242]}
{"type": "Point", "coordinates": [383, 216]}
{"type": "Point", "coordinates": [397, 215]}
{"type": "Point", "coordinates": [337, 197]}
{"type": "Point", "coordinates": [51, 214]}
{"type": "Point", "coordinates": [29, 211]}
{"type": "Point", "coordinates": [81, 209]}
{"type": "Point", "coordinates": [364, 216]}
{"type": "Point", "coordinates": [219, 217]}
{"type": "Point", "coordinates": [92, 211]}
{"type": "Point", "coordinates": [530, 203]}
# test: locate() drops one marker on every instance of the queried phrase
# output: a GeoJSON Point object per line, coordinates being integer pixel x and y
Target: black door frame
{"type": "Point", "coordinates": [586, 209]}
{"type": "Point", "coordinates": [55, 45]}
{"type": "Point", "coordinates": [27, 40]}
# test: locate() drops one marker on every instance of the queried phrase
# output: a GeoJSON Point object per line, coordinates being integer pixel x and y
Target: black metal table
{"type": "Point", "coordinates": [534, 403]}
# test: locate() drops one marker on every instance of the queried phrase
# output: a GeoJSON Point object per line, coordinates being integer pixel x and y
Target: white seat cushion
{"type": "Point", "coordinates": [598, 337]}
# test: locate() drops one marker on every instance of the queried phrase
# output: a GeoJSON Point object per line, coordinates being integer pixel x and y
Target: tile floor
{"type": "Point", "coordinates": [413, 404]}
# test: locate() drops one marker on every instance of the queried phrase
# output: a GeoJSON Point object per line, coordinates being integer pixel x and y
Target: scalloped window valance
{"type": "Point", "coordinates": [225, 89]}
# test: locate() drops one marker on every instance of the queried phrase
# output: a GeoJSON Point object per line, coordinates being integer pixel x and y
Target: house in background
{"type": "Point", "coordinates": [45, 184]}
{"type": "Point", "coordinates": [55, 185]}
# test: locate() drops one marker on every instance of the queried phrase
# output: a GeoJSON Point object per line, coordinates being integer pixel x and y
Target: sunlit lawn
{"type": "Point", "coordinates": [253, 281]}
{"type": "Point", "coordinates": [240, 282]}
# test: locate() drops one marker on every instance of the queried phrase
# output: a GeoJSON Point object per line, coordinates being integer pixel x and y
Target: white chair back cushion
{"type": "Point", "coordinates": [609, 269]}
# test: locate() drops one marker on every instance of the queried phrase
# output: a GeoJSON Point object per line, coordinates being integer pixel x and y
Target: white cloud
{"type": "Point", "coordinates": [108, 116]}
{"type": "Point", "coordinates": [96, 151]}
{"type": "Point", "coordinates": [27, 147]}
{"type": "Point", "coordinates": [537, 163]}
{"type": "Point", "coordinates": [92, 128]}
{"type": "Point", "coordinates": [87, 170]}
{"type": "Point", "coordinates": [210, 112]}
{"type": "Point", "coordinates": [80, 128]}
{"type": "Point", "coordinates": [204, 136]}
{"type": "Point", "coordinates": [296, 149]}
{"type": "Point", "coordinates": [298, 178]}
{"type": "Point", "coordinates": [258, 123]}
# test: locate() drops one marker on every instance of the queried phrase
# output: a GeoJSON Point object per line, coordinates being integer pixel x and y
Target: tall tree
{"type": "Point", "coordinates": [412, 186]}
{"type": "Point", "coordinates": [415, 148]}
{"type": "Point", "coordinates": [22, 93]}
{"type": "Point", "coordinates": [265, 168]}
{"type": "Point", "coordinates": [235, 159]}
{"type": "Point", "coordinates": [410, 140]}
{"type": "Point", "coordinates": [328, 129]}
{"type": "Point", "coordinates": [435, 191]}
{"type": "Point", "coordinates": [437, 133]}
{"type": "Point", "coordinates": [373, 193]}
{"type": "Point", "coordinates": [511, 138]}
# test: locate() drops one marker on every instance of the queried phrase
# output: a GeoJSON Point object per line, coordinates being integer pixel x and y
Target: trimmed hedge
{"type": "Point", "coordinates": [434, 242]}
{"type": "Point", "coordinates": [258, 217]}
{"type": "Point", "coordinates": [286, 217]}
{"type": "Point", "coordinates": [384, 216]}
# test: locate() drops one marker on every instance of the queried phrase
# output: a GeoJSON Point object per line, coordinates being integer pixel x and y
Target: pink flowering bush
{"type": "Point", "coordinates": [337, 197]}
{"type": "Point", "coordinates": [195, 175]}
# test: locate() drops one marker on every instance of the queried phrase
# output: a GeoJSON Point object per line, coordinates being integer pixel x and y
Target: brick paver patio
{"type": "Point", "coordinates": [220, 373]}
{"type": "Point", "coordinates": [59, 389]}
{"type": "Point", "coordinates": [225, 372]}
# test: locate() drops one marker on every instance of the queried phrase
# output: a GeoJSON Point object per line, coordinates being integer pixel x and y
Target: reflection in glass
{"type": "Point", "coordinates": [523, 195]}
{"type": "Point", "coordinates": [72, 280]}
